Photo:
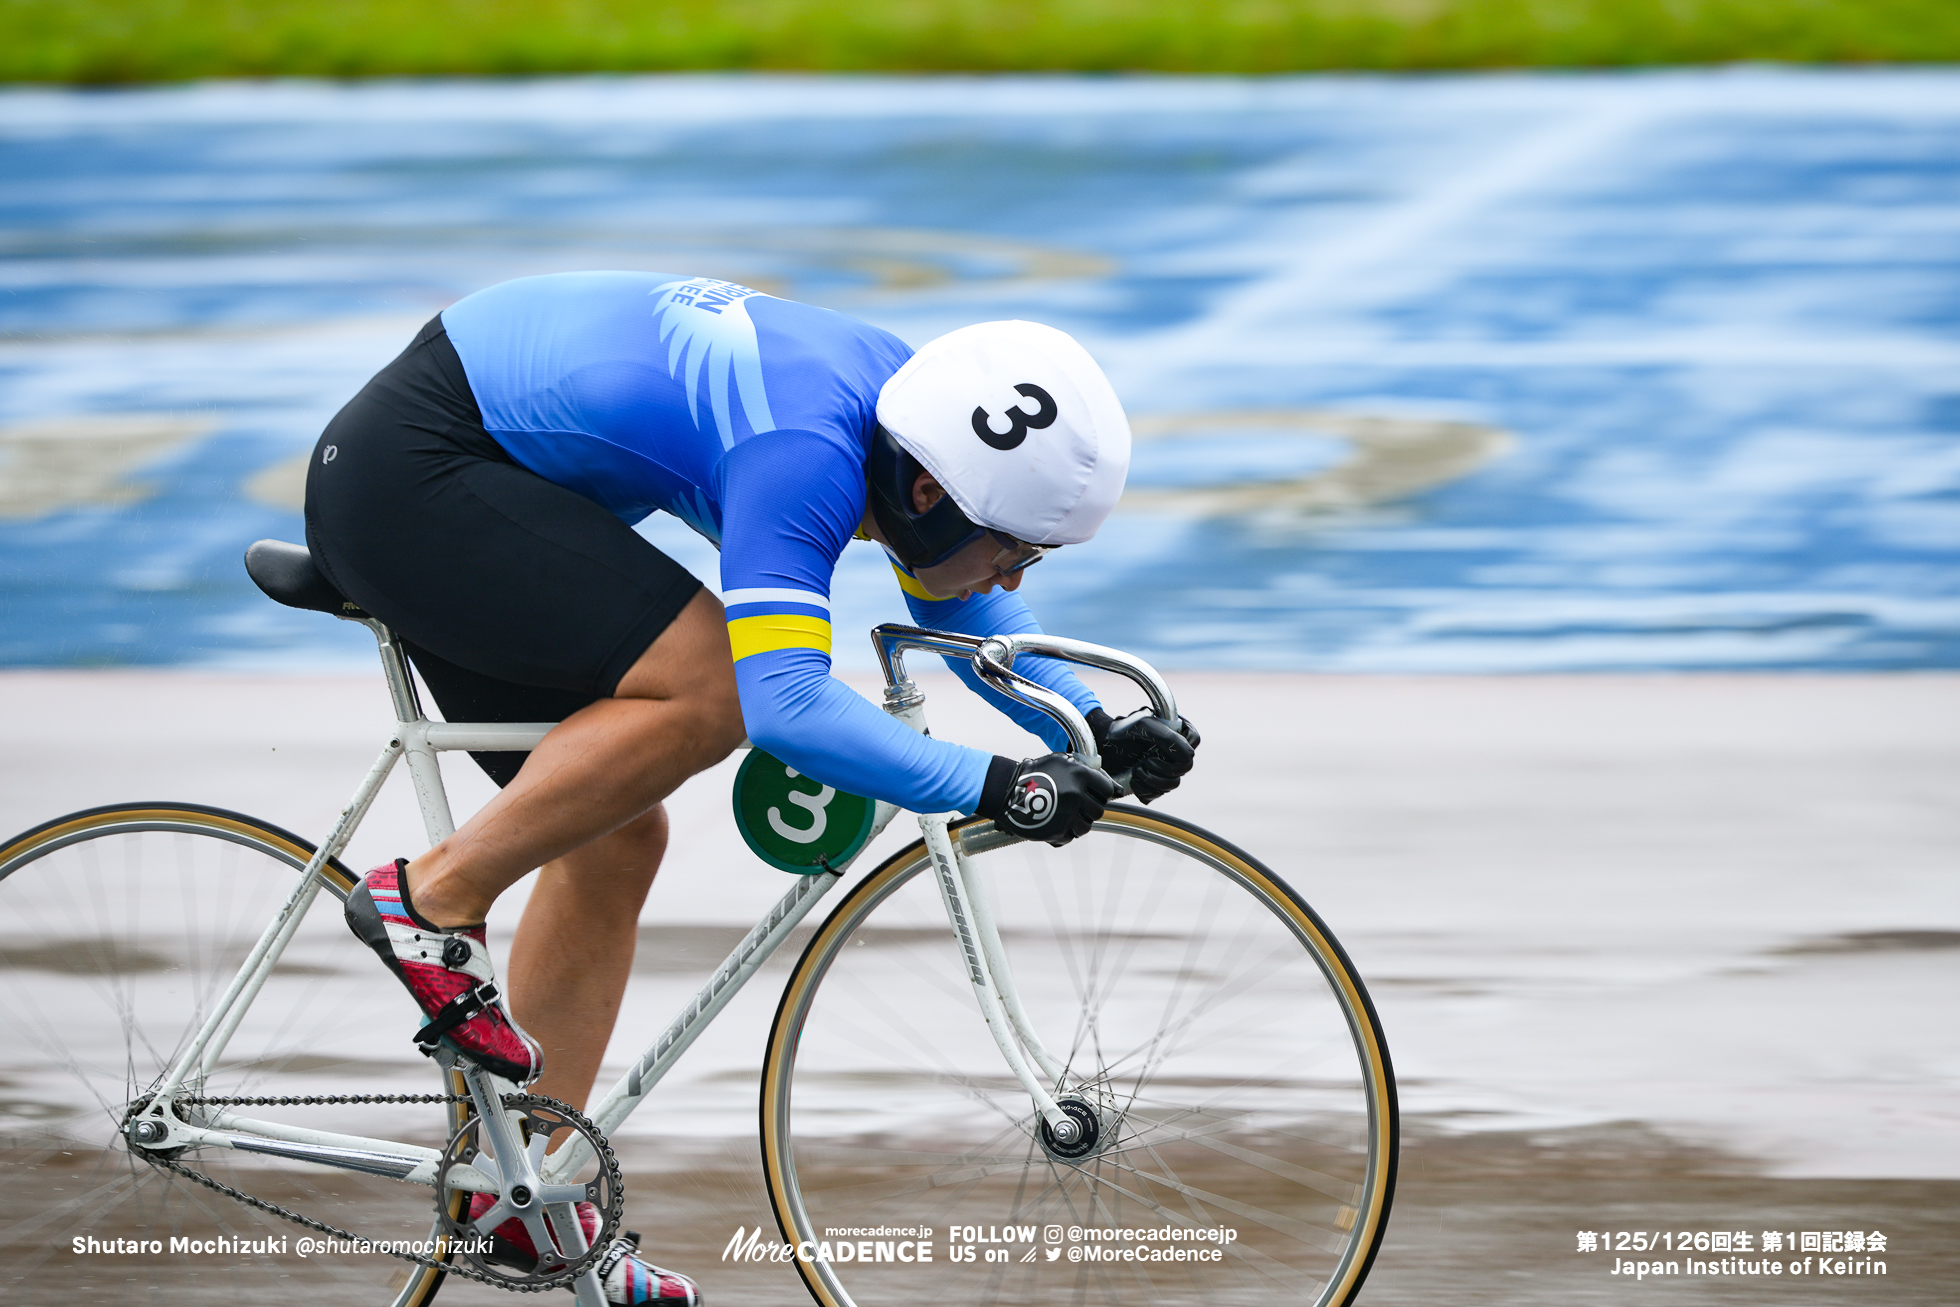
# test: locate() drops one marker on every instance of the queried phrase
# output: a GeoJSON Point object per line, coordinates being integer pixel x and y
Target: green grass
{"type": "Point", "coordinates": [106, 41]}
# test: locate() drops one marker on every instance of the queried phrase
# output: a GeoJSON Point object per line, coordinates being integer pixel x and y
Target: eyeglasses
{"type": "Point", "coordinates": [1015, 555]}
{"type": "Point", "coordinates": [1012, 556]}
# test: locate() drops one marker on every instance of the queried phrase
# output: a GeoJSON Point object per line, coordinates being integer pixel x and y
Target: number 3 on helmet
{"type": "Point", "coordinates": [1020, 427]}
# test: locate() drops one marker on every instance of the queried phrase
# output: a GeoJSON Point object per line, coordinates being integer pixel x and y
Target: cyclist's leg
{"type": "Point", "coordinates": [519, 600]}
{"type": "Point", "coordinates": [515, 585]}
{"type": "Point", "coordinates": [674, 713]}
{"type": "Point", "coordinates": [573, 952]}
{"type": "Point", "coordinates": [547, 604]}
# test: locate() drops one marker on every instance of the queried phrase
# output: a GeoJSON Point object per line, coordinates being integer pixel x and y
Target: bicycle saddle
{"type": "Point", "coordinates": [288, 574]}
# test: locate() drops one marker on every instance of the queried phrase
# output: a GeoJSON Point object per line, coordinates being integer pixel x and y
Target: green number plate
{"type": "Point", "coordinates": [794, 823]}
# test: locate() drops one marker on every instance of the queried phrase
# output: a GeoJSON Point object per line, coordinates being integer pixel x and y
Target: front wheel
{"type": "Point", "coordinates": [1245, 1111]}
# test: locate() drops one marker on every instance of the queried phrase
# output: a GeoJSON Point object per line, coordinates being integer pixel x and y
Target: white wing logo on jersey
{"type": "Point", "coordinates": [707, 329]}
{"type": "Point", "coordinates": [691, 507]}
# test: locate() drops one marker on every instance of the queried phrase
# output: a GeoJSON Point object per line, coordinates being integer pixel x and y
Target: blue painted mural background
{"type": "Point", "coordinates": [1717, 313]}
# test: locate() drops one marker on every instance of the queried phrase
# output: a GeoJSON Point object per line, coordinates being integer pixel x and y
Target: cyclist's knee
{"type": "Point", "coordinates": [716, 724]}
{"type": "Point", "coordinates": [636, 849]}
{"type": "Point", "coordinates": [690, 658]}
{"type": "Point", "coordinates": [646, 831]}
{"type": "Point", "coordinates": [690, 667]}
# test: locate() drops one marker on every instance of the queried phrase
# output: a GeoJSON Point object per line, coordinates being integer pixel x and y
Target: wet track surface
{"type": "Point", "coordinates": [1652, 953]}
{"type": "Point", "coordinates": [1483, 1221]}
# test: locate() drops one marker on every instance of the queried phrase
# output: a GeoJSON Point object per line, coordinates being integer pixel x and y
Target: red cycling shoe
{"type": "Point", "coordinates": [626, 1278]}
{"type": "Point", "coordinates": [449, 973]}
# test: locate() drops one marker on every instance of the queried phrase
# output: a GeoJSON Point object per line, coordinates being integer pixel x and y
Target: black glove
{"type": "Point", "coordinates": [1144, 745]}
{"type": "Point", "coordinates": [1053, 798]}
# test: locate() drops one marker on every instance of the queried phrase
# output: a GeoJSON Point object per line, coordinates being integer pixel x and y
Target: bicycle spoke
{"type": "Point", "coordinates": [1286, 1225]}
{"type": "Point", "coordinates": [1201, 1035]}
{"type": "Point", "coordinates": [119, 944]}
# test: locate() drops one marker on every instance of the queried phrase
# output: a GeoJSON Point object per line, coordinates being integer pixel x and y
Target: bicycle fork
{"type": "Point", "coordinates": [964, 891]}
{"type": "Point", "coordinates": [971, 913]}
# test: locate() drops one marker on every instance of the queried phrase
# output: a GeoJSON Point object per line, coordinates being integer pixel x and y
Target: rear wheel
{"type": "Point", "coordinates": [120, 928]}
{"type": "Point", "coordinates": [1215, 1035]}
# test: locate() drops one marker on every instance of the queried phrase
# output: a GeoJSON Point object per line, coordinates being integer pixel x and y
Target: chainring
{"type": "Point", "coordinates": [497, 1277]}
{"type": "Point", "coordinates": [542, 1122]}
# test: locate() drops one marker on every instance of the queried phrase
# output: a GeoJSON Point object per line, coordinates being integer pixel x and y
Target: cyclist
{"type": "Point", "coordinates": [478, 496]}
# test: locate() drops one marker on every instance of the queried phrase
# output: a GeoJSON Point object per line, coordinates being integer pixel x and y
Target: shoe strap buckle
{"type": "Point", "coordinates": [456, 1011]}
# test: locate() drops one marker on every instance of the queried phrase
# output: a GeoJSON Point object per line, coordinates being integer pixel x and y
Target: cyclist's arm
{"type": "Point", "coordinates": [790, 502]}
{"type": "Point", "coordinates": [1001, 612]}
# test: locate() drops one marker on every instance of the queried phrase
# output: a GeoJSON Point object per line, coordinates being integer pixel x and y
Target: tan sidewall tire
{"type": "Point", "coordinates": [1384, 1113]}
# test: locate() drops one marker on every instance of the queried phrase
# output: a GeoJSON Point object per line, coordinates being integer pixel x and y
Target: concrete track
{"type": "Point", "coordinates": [1652, 953]}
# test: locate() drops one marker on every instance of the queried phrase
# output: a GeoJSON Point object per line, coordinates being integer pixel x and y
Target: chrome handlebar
{"type": "Point", "coordinates": [992, 658]}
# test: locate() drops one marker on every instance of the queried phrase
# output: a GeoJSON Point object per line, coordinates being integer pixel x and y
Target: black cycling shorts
{"type": "Point", "coordinates": [517, 600]}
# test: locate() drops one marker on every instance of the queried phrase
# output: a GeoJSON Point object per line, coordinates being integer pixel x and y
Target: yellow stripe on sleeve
{"type": "Point", "coordinates": [754, 635]}
{"type": "Point", "coordinates": [910, 585]}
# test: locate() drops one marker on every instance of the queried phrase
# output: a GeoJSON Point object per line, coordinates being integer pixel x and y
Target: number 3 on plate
{"type": "Point", "coordinates": [815, 803]}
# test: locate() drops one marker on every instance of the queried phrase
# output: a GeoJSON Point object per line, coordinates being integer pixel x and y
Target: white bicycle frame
{"type": "Point", "coordinates": [419, 740]}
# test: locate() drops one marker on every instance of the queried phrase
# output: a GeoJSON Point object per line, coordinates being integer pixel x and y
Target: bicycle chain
{"type": "Point", "coordinates": [325, 1100]}
{"type": "Point", "coordinates": [559, 1281]}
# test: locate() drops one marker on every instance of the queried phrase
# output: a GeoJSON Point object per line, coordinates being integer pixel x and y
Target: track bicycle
{"type": "Point", "coordinates": [1137, 1068]}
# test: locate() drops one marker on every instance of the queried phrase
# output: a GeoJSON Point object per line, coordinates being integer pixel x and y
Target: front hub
{"type": "Point", "coordinates": [1093, 1132]}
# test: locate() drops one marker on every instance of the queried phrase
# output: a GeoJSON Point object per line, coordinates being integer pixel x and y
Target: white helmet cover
{"type": "Point", "coordinates": [1019, 425]}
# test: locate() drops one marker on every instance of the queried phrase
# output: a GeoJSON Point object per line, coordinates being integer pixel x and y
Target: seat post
{"type": "Point", "coordinates": [394, 665]}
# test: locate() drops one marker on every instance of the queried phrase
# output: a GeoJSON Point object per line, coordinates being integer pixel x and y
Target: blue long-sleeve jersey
{"type": "Point", "coordinates": [749, 418]}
